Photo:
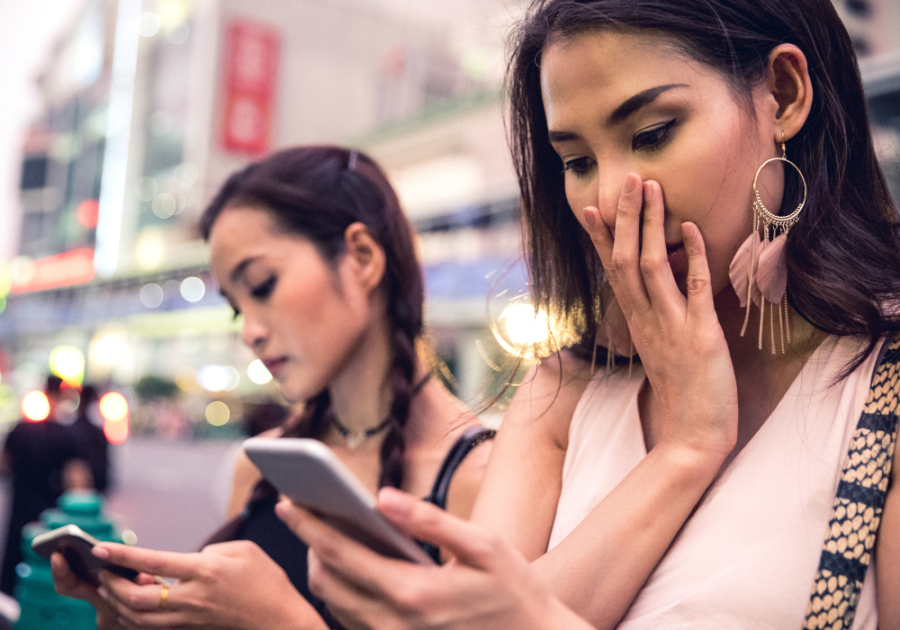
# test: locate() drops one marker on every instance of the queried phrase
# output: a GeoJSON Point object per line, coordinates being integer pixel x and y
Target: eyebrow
{"type": "Point", "coordinates": [639, 100]}
{"type": "Point", "coordinates": [623, 111]}
{"type": "Point", "coordinates": [240, 269]}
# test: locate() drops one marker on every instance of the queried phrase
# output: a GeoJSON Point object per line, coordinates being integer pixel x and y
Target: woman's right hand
{"type": "Point", "coordinates": [679, 338]}
{"type": "Point", "coordinates": [67, 583]}
{"type": "Point", "coordinates": [487, 584]}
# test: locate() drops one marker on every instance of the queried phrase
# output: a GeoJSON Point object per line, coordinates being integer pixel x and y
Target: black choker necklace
{"type": "Point", "coordinates": [352, 439]}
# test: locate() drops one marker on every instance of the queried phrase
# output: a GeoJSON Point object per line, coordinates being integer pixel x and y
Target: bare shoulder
{"type": "Point", "coordinates": [246, 476]}
{"type": "Point", "coordinates": [548, 395]}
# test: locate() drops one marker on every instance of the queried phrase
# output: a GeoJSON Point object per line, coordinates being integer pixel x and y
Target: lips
{"type": "Point", "coordinates": [675, 255]}
{"type": "Point", "coordinates": [274, 365]}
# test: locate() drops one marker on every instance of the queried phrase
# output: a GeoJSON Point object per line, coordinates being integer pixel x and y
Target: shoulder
{"type": "Point", "coordinates": [548, 395]}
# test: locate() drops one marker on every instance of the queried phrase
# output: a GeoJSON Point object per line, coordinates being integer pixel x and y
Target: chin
{"type": "Point", "coordinates": [295, 392]}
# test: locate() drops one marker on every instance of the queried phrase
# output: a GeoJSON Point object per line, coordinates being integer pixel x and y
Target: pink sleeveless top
{"type": "Point", "coordinates": [748, 556]}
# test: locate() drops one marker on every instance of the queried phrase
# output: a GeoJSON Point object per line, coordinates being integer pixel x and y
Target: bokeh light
{"type": "Point", "coordinates": [149, 24]}
{"type": "Point", "coordinates": [88, 212]}
{"type": "Point", "coordinates": [217, 413]}
{"type": "Point", "coordinates": [193, 289]}
{"type": "Point", "coordinates": [113, 407]}
{"type": "Point", "coordinates": [214, 378]}
{"type": "Point", "coordinates": [116, 431]}
{"type": "Point", "coordinates": [67, 362]}
{"type": "Point", "coordinates": [258, 373]}
{"type": "Point", "coordinates": [151, 295]}
{"type": "Point", "coordinates": [35, 406]}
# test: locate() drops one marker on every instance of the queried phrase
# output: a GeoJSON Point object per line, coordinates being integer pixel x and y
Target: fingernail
{"type": "Point", "coordinates": [628, 188]}
{"type": "Point", "coordinates": [101, 591]}
{"type": "Point", "coordinates": [588, 214]}
{"type": "Point", "coordinates": [100, 552]}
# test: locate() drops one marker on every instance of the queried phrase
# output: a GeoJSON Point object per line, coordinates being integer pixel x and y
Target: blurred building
{"type": "Point", "coordinates": [150, 104]}
{"type": "Point", "coordinates": [874, 25]}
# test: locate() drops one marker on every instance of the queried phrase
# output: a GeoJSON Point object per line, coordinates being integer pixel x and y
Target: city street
{"type": "Point", "coordinates": [171, 494]}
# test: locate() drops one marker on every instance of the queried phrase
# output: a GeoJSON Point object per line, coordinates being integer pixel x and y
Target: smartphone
{"type": "Point", "coordinates": [75, 545]}
{"type": "Point", "coordinates": [311, 475]}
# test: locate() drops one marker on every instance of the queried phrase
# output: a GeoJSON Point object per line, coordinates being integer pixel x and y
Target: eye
{"type": "Point", "coordinates": [579, 167]}
{"type": "Point", "coordinates": [652, 138]}
{"type": "Point", "coordinates": [237, 312]}
{"type": "Point", "coordinates": [262, 291]}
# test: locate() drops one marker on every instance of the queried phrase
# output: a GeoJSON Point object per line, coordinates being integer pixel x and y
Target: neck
{"type": "Point", "coordinates": [745, 348]}
{"type": "Point", "coordinates": [361, 393]}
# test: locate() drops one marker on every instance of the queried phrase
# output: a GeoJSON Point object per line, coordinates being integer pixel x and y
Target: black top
{"type": "Point", "coordinates": [36, 453]}
{"type": "Point", "coordinates": [95, 449]}
{"type": "Point", "coordinates": [262, 526]}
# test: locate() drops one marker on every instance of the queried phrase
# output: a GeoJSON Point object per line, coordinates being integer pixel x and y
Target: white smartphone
{"type": "Point", "coordinates": [309, 473]}
{"type": "Point", "coordinates": [75, 545]}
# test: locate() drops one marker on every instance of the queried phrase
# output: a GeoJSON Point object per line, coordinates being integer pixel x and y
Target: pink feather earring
{"type": "Point", "coordinates": [758, 271]}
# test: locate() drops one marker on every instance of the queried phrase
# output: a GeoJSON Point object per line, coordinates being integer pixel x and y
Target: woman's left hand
{"type": "Point", "coordinates": [232, 585]}
{"type": "Point", "coordinates": [487, 584]}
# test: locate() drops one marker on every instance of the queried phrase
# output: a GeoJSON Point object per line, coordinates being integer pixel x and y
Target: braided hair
{"type": "Point", "coordinates": [317, 192]}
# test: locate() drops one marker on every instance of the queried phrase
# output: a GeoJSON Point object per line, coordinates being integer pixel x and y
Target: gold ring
{"type": "Point", "coordinates": [163, 596]}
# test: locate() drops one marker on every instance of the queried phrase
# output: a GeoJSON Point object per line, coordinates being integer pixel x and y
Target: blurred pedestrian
{"type": "Point", "coordinates": [90, 438]}
{"type": "Point", "coordinates": [43, 461]}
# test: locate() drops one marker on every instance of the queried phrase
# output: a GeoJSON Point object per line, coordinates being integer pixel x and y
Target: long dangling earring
{"type": "Point", "coordinates": [759, 269]}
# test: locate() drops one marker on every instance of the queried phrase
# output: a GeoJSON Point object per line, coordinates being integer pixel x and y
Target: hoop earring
{"type": "Point", "coordinates": [759, 270]}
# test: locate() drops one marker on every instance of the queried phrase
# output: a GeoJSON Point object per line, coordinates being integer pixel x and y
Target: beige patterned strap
{"type": "Point", "coordinates": [860, 498]}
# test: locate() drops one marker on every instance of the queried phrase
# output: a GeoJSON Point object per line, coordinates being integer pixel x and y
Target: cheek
{"type": "Point", "coordinates": [580, 194]}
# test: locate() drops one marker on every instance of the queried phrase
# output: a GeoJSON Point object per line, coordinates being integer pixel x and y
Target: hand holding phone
{"type": "Point", "coordinates": [309, 473]}
{"type": "Point", "coordinates": [75, 545]}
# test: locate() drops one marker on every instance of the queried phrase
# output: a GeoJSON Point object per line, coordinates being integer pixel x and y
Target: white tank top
{"type": "Point", "coordinates": [748, 556]}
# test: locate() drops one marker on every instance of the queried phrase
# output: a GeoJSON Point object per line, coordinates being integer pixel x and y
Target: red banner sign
{"type": "Point", "coordinates": [62, 270]}
{"type": "Point", "coordinates": [252, 53]}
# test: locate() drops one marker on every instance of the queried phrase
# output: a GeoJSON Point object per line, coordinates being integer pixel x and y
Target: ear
{"type": "Point", "coordinates": [791, 88]}
{"type": "Point", "coordinates": [364, 256]}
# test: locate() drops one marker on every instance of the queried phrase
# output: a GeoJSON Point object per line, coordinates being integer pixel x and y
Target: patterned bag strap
{"type": "Point", "coordinates": [859, 502]}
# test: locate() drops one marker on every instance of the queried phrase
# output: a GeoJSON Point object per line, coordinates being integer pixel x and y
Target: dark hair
{"type": "Point", "coordinates": [317, 192]}
{"type": "Point", "coordinates": [842, 256]}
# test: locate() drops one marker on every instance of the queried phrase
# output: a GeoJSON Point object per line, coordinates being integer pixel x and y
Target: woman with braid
{"type": "Point", "coordinates": [310, 247]}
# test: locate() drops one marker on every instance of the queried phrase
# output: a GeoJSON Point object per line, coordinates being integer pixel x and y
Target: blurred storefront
{"type": "Point", "coordinates": [150, 104]}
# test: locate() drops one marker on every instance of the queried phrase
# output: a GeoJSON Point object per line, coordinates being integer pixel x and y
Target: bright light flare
{"type": "Point", "coordinates": [114, 407]}
{"type": "Point", "coordinates": [67, 362]}
{"type": "Point", "coordinates": [36, 406]}
{"type": "Point", "coordinates": [116, 431]}
{"type": "Point", "coordinates": [524, 326]}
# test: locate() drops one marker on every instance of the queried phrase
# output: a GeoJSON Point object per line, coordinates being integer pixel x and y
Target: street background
{"type": "Point", "coordinates": [120, 119]}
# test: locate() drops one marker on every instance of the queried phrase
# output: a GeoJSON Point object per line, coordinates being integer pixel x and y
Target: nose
{"type": "Point", "coordinates": [254, 333]}
{"type": "Point", "coordinates": [609, 188]}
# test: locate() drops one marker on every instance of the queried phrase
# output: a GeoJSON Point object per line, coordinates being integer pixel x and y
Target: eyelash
{"type": "Point", "coordinates": [262, 291]}
{"type": "Point", "coordinates": [653, 138]}
{"type": "Point", "coordinates": [259, 293]}
{"type": "Point", "coordinates": [650, 140]}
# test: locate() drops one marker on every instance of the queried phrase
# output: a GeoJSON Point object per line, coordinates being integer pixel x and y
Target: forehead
{"type": "Point", "coordinates": [601, 69]}
{"type": "Point", "coordinates": [243, 232]}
